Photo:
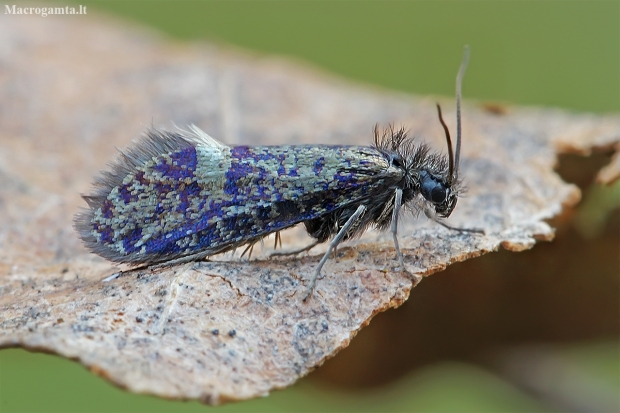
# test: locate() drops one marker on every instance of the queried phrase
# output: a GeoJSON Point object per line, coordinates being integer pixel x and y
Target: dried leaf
{"type": "Point", "coordinates": [229, 329]}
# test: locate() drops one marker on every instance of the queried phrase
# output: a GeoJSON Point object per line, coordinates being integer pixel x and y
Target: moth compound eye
{"type": "Point", "coordinates": [432, 189]}
{"type": "Point", "coordinates": [438, 194]}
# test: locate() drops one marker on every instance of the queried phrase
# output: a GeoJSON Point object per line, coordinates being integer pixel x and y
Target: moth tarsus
{"type": "Point", "coordinates": [458, 229]}
{"type": "Point", "coordinates": [182, 196]}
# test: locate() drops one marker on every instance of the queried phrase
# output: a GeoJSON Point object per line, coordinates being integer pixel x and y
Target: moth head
{"type": "Point", "coordinates": [438, 192]}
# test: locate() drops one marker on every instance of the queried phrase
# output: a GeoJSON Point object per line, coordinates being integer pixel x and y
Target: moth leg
{"type": "Point", "coordinates": [250, 248]}
{"type": "Point", "coordinates": [275, 244]}
{"type": "Point", "coordinates": [194, 257]}
{"type": "Point", "coordinates": [299, 251]}
{"type": "Point", "coordinates": [431, 215]}
{"type": "Point", "coordinates": [113, 277]}
{"type": "Point", "coordinates": [332, 245]}
{"type": "Point", "coordinates": [398, 201]}
{"type": "Point", "coordinates": [474, 230]}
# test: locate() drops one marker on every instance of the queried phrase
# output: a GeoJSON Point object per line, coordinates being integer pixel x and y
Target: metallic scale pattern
{"type": "Point", "coordinates": [176, 194]}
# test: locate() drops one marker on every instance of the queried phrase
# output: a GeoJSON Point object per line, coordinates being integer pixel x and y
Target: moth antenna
{"type": "Point", "coordinates": [451, 173]}
{"type": "Point", "coordinates": [459, 81]}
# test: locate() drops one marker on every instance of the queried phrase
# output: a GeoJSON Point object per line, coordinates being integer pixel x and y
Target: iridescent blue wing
{"type": "Point", "coordinates": [179, 194]}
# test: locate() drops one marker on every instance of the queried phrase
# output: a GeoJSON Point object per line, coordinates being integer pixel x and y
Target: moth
{"type": "Point", "coordinates": [180, 196]}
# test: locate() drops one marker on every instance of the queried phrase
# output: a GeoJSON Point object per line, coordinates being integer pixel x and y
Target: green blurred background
{"type": "Point", "coordinates": [535, 331]}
